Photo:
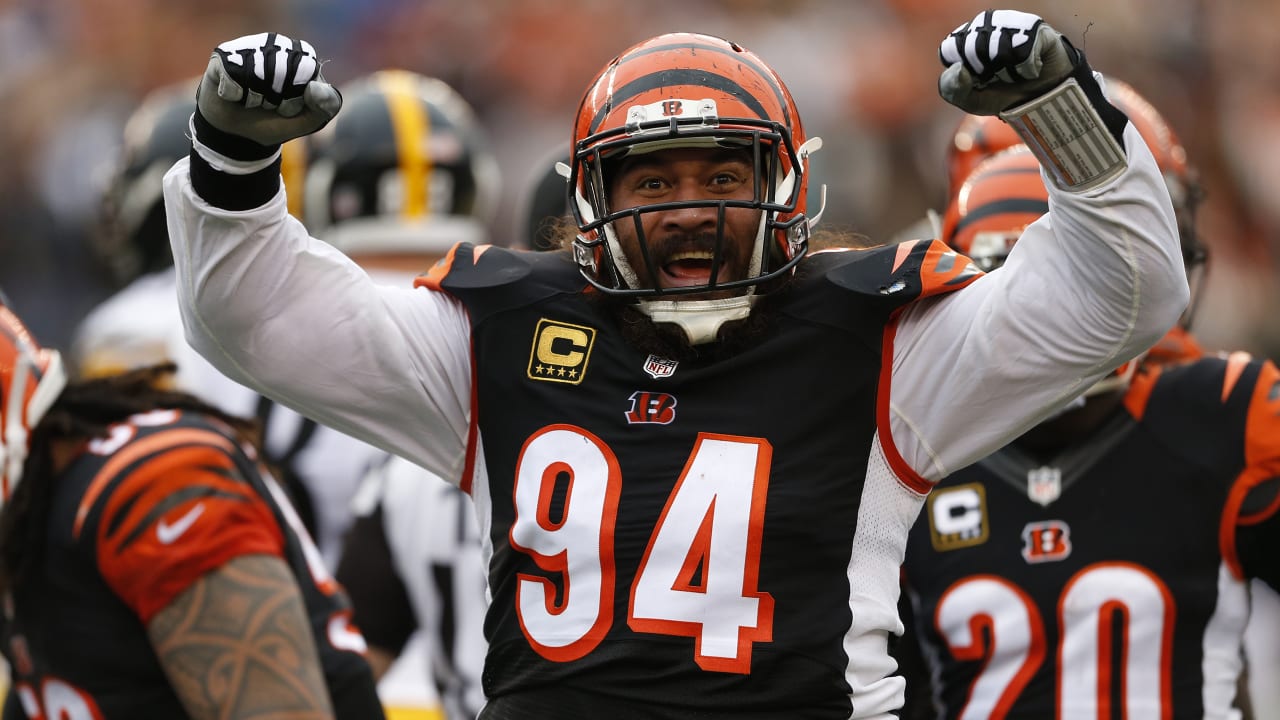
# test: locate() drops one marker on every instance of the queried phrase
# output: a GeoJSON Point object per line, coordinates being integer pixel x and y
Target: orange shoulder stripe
{"type": "Point", "coordinates": [945, 269]}
{"type": "Point", "coordinates": [436, 275]}
{"type": "Point", "coordinates": [1262, 427]}
{"type": "Point", "coordinates": [1139, 393]}
{"type": "Point", "coordinates": [1236, 362]}
{"type": "Point", "coordinates": [133, 452]}
{"type": "Point", "coordinates": [1261, 453]}
{"type": "Point", "coordinates": [904, 250]}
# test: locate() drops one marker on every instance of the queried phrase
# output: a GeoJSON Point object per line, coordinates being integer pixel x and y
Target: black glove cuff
{"type": "Point", "coordinates": [233, 192]}
{"type": "Point", "coordinates": [1112, 116]}
{"type": "Point", "coordinates": [233, 146]}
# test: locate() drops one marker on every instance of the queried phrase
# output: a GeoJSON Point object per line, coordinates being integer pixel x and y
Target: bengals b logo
{"type": "Point", "coordinates": [651, 407]}
{"type": "Point", "coordinates": [1047, 541]}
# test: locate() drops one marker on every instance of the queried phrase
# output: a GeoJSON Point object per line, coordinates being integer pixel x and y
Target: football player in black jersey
{"type": "Point", "coordinates": [140, 326]}
{"type": "Point", "coordinates": [1099, 565]}
{"type": "Point", "coordinates": [695, 447]}
{"type": "Point", "coordinates": [149, 567]}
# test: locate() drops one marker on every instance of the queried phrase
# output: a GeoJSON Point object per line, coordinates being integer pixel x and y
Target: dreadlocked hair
{"type": "Point", "coordinates": [85, 409]}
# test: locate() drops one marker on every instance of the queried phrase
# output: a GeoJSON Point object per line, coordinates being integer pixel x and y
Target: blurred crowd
{"type": "Point", "coordinates": [864, 74]}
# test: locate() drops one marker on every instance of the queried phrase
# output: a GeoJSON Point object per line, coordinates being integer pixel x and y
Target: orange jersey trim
{"type": "Point", "coordinates": [1261, 455]}
{"type": "Point", "coordinates": [436, 275]}
{"type": "Point", "coordinates": [434, 278]}
{"type": "Point", "coordinates": [1236, 363]}
{"type": "Point", "coordinates": [944, 270]}
{"type": "Point", "coordinates": [904, 472]}
{"type": "Point", "coordinates": [1140, 389]}
{"type": "Point", "coordinates": [903, 252]}
{"type": "Point", "coordinates": [1262, 438]}
{"type": "Point", "coordinates": [473, 429]}
{"type": "Point", "coordinates": [1177, 346]}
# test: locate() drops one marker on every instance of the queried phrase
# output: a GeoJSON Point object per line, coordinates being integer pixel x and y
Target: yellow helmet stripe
{"type": "Point", "coordinates": [411, 125]}
{"type": "Point", "coordinates": [293, 168]}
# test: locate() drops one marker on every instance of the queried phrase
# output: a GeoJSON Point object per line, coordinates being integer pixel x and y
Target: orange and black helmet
{"type": "Point", "coordinates": [995, 203]}
{"type": "Point", "coordinates": [993, 206]}
{"type": "Point", "coordinates": [975, 139]}
{"type": "Point", "coordinates": [1180, 176]}
{"type": "Point", "coordinates": [688, 90]}
{"type": "Point", "coordinates": [31, 379]}
{"type": "Point", "coordinates": [979, 137]}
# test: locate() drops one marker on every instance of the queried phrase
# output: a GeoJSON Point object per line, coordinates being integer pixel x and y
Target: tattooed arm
{"type": "Point", "coordinates": [237, 645]}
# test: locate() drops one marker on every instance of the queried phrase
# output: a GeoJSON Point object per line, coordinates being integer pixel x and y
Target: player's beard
{"type": "Point", "coordinates": [667, 340]}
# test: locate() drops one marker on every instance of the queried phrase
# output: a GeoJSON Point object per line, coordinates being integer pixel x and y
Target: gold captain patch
{"type": "Point", "coordinates": [957, 516]}
{"type": "Point", "coordinates": [560, 351]}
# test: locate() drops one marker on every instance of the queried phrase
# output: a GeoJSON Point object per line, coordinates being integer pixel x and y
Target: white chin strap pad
{"type": "Point", "coordinates": [700, 319]}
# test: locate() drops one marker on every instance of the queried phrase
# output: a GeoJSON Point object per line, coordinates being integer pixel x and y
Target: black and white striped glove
{"type": "Point", "coordinates": [265, 88]}
{"type": "Point", "coordinates": [1003, 58]}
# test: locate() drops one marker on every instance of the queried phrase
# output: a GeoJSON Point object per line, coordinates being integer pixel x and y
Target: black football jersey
{"type": "Point", "coordinates": [673, 538]}
{"type": "Point", "coordinates": [1112, 579]}
{"type": "Point", "coordinates": [136, 518]}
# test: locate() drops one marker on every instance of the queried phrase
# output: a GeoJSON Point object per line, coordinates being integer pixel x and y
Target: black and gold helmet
{"type": "Point", "coordinates": [131, 237]}
{"type": "Point", "coordinates": [403, 169]}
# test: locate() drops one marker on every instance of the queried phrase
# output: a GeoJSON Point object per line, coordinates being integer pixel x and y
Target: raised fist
{"type": "Point", "coordinates": [266, 88]}
{"type": "Point", "coordinates": [1001, 59]}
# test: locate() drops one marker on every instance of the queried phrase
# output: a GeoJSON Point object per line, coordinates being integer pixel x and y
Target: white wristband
{"type": "Point", "coordinates": [222, 163]}
{"type": "Point", "coordinates": [1068, 137]}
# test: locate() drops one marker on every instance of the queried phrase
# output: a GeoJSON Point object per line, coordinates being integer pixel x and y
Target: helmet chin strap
{"type": "Point", "coordinates": [700, 320]}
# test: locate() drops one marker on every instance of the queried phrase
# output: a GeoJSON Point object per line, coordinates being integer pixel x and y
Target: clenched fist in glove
{"type": "Point", "coordinates": [1014, 65]}
{"type": "Point", "coordinates": [1003, 58]}
{"type": "Point", "coordinates": [265, 88]}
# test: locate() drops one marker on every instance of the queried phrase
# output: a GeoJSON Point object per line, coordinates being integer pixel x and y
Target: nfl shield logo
{"type": "Point", "coordinates": [1044, 485]}
{"type": "Point", "coordinates": [659, 367]}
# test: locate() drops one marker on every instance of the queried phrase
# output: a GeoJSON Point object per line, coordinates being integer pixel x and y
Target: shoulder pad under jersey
{"type": "Point", "coordinates": [130, 445]}
{"type": "Point", "coordinates": [1202, 407]}
{"type": "Point", "coordinates": [489, 279]}
{"type": "Point", "coordinates": [899, 273]}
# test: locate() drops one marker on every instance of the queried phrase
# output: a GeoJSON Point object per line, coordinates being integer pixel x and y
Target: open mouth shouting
{"type": "Point", "coordinates": [689, 268]}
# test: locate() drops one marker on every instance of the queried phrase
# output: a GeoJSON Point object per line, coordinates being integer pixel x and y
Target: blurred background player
{"type": "Point", "coordinates": [140, 326]}
{"type": "Point", "coordinates": [545, 206]}
{"type": "Point", "coordinates": [394, 182]}
{"type": "Point", "coordinates": [149, 564]}
{"type": "Point", "coordinates": [413, 558]}
{"type": "Point", "coordinates": [398, 182]}
{"type": "Point", "coordinates": [976, 138]}
{"type": "Point", "coordinates": [979, 137]}
{"type": "Point", "coordinates": [1100, 564]}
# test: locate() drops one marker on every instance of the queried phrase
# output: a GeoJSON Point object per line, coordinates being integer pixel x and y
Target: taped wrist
{"type": "Point", "coordinates": [234, 147]}
{"type": "Point", "coordinates": [234, 192]}
{"type": "Point", "coordinates": [1073, 129]}
{"type": "Point", "coordinates": [216, 180]}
